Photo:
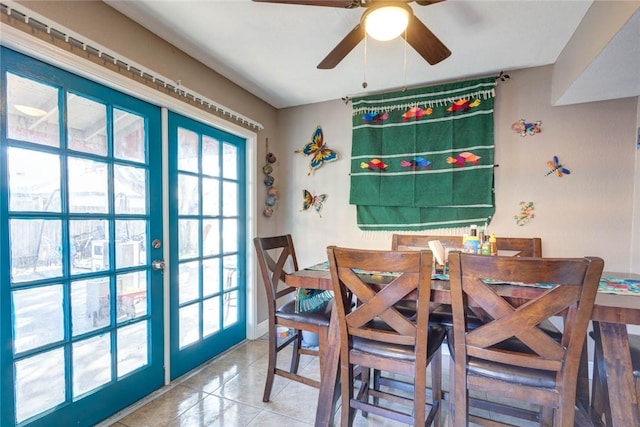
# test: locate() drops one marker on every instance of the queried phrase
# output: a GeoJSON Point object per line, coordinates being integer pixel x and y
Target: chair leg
{"type": "Point", "coordinates": [365, 378]}
{"type": "Point", "coordinates": [347, 414]}
{"type": "Point", "coordinates": [459, 397]}
{"type": "Point", "coordinates": [597, 399]}
{"type": "Point", "coordinates": [295, 357]}
{"type": "Point", "coordinates": [323, 342]}
{"type": "Point", "coordinates": [419, 396]}
{"type": "Point", "coordinates": [271, 369]}
{"type": "Point", "coordinates": [600, 405]}
{"type": "Point", "coordinates": [452, 406]}
{"type": "Point", "coordinates": [436, 385]}
{"type": "Point", "coordinates": [376, 384]}
{"type": "Point", "coordinates": [637, 381]}
{"type": "Point", "coordinates": [582, 384]}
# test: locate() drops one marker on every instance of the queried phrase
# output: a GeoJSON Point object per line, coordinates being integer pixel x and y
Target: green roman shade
{"type": "Point", "coordinates": [423, 158]}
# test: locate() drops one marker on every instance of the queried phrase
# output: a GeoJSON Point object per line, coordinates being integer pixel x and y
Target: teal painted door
{"type": "Point", "coordinates": [81, 309]}
{"type": "Point", "coordinates": [207, 217]}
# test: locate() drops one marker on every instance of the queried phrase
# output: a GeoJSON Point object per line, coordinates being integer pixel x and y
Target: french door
{"type": "Point", "coordinates": [81, 309]}
{"type": "Point", "coordinates": [207, 217]}
{"type": "Point", "coordinates": [81, 245]}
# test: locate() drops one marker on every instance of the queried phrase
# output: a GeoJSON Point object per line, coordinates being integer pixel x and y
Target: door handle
{"type": "Point", "coordinates": [158, 264]}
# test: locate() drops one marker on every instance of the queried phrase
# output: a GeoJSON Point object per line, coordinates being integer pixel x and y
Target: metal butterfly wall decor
{"type": "Point", "coordinates": [317, 202]}
{"type": "Point", "coordinates": [319, 153]}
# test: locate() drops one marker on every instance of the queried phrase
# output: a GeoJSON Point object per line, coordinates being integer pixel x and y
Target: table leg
{"type": "Point", "coordinates": [582, 385]}
{"type": "Point", "coordinates": [618, 373]}
{"type": "Point", "coordinates": [329, 388]}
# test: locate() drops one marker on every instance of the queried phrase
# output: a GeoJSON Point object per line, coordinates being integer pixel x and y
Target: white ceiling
{"type": "Point", "coordinates": [272, 50]}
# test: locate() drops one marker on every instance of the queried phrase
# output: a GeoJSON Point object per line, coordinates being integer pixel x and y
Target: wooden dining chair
{"type": "Point", "coordinates": [600, 403]}
{"type": "Point", "coordinates": [528, 246]}
{"type": "Point", "coordinates": [404, 242]}
{"type": "Point", "coordinates": [375, 335]}
{"type": "Point", "coordinates": [441, 313]}
{"type": "Point", "coordinates": [277, 257]}
{"type": "Point", "coordinates": [511, 356]}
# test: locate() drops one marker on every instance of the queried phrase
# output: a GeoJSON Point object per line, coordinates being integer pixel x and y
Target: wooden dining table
{"type": "Point", "coordinates": [611, 315]}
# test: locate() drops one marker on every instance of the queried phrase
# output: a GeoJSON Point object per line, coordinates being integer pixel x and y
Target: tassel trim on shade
{"type": "Point", "coordinates": [422, 100]}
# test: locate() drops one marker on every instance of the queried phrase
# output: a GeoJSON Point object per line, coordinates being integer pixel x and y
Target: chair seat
{"type": "Point", "coordinates": [512, 374]}
{"type": "Point", "coordinates": [398, 351]}
{"type": "Point", "coordinates": [319, 317]}
{"type": "Point", "coordinates": [406, 307]}
{"type": "Point", "coordinates": [442, 316]}
{"type": "Point", "coordinates": [509, 373]}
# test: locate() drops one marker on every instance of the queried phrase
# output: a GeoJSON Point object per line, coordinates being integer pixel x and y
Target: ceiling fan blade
{"type": "Point", "coordinates": [346, 4]}
{"type": "Point", "coordinates": [343, 48]}
{"type": "Point", "coordinates": [428, 2]}
{"type": "Point", "coordinates": [425, 42]}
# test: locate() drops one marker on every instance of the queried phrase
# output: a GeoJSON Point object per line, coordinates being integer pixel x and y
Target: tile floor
{"type": "Point", "coordinates": [227, 391]}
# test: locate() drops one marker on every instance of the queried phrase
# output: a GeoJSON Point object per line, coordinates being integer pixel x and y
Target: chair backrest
{"type": "Point", "coordinates": [571, 290]}
{"type": "Point", "coordinates": [407, 275]}
{"type": "Point", "coordinates": [276, 257]}
{"type": "Point", "coordinates": [400, 242]}
{"type": "Point", "coordinates": [528, 246]}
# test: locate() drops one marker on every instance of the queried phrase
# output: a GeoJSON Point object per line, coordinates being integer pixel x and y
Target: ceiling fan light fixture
{"type": "Point", "coordinates": [386, 22]}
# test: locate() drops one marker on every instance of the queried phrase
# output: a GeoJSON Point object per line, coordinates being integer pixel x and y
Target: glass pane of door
{"type": "Point", "coordinates": [78, 298]}
{"type": "Point", "coordinates": [206, 167]}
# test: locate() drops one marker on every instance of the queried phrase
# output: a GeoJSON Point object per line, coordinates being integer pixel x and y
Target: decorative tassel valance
{"type": "Point", "coordinates": [396, 101]}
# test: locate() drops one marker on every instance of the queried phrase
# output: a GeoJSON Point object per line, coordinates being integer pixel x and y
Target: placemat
{"type": "Point", "coordinates": [608, 285]}
{"type": "Point", "coordinates": [614, 285]}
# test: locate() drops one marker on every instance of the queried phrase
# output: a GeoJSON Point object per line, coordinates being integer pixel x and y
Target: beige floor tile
{"type": "Point", "coordinates": [214, 411]}
{"type": "Point", "coordinates": [271, 419]}
{"type": "Point", "coordinates": [214, 375]}
{"type": "Point", "coordinates": [164, 408]}
{"type": "Point", "coordinates": [297, 401]}
{"type": "Point", "coordinates": [249, 351]}
{"type": "Point", "coordinates": [228, 390]}
{"type": "Point", "coordinates": [248, 386]}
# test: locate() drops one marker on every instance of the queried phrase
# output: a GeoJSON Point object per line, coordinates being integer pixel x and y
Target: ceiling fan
{"type": "Point", "coordinates": [417, 34]}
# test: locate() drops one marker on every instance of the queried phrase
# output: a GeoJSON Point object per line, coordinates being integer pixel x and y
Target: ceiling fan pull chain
{"type": "Point", "coordinates": [364, 72]}
{"type": "Point", "coordinates": [404, 65]}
